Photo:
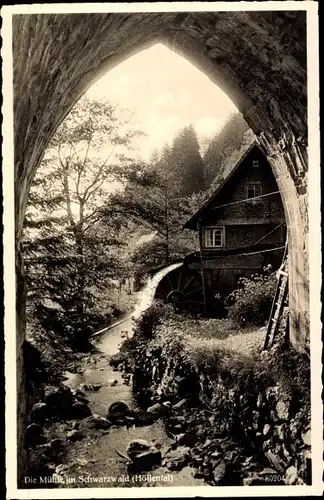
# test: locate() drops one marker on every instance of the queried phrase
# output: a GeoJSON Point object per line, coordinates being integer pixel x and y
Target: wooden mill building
{"type": "Point", "coordinates": [241, 229]}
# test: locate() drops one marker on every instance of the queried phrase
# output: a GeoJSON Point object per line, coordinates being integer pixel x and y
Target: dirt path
{"type": "Point", "coordinates": [93, 461]}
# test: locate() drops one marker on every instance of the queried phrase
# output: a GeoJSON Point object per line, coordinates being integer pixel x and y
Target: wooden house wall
{"type": "Point", "coordinates": [222, 273]}
{"type": "Point", "coordinates": [245, 225]}
{"type": "Point", "coordinates": [237, 236]}
{"type": "Point", "coordinates": [264, 210]}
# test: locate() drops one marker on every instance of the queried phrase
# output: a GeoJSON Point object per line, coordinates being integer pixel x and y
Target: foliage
{"type": "Point", "coordinates": [250, 304]}
{"type": "Point", "coordinates": [223, 145]}
{"type": "Point", "coordinates": [146, 326]}
{"type": "Point", "coordinates": [292, 368]}
{"type": "Point", "coordinates": [72, 259]}
{"type": "Point", "coordinates": [184, 164]}
{"type": "Point", "coordinates": [56, 353]}
{"type": "Point", "coordinates": [164, 335]}
{"type": "Point", "coordinates": [153, 253]}
{"type": "Point", "coordinates": [149, 200]}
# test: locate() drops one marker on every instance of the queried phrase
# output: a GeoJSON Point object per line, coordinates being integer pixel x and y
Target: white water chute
{"type": "Point", "coordinates": [145, 299]}
{"type": "Point", "coordinates": [147, 295]}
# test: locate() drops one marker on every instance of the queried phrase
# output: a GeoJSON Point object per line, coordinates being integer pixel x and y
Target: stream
{"type": "Point", "coordinates": [95, 457]}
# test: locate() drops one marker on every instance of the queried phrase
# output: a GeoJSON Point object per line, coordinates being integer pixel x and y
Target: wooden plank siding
{"type": "Point", "coordinates": [243, 221]}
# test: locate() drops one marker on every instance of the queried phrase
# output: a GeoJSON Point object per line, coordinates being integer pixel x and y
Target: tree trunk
{"type": "Point", "coordinates": [81, 276]}
{"type": "Point", "coordinates": [78, 235]}
{"type": "Point", "coordinates": [81, 264]}
{"type": "Point", "coordinates": [166, 206]}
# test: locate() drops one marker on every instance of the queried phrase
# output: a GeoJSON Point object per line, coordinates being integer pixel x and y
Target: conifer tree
{"type": "Point", "coordinates": [222, 145]}
{"type": "Point", "coordinates": [150, 198]}
{"type": "Point", "coordinates": [185, 163]}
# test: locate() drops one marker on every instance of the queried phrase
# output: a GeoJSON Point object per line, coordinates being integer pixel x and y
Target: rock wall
{"type": "Point", "coordinates": [252, 420]}
{"type": "Point", "coordinates": [258, 58]}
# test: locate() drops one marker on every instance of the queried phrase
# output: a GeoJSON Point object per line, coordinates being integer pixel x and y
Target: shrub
{"type": "Point", "coordinates": [150, 319]}
{"type": "Point", "coordinates": [292, 368]}
{"type": "Point", "coordinates": [250, 304]}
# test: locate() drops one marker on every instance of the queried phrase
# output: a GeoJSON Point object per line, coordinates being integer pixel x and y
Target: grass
{"type": "Point", "coordinates": [221, 349]}
{"type": "Point", "coordinates": [223, 372]}
{"type": "Point", "coordinates": [208, 334]}
{"type": "Point", "coordinates": [247, 344]}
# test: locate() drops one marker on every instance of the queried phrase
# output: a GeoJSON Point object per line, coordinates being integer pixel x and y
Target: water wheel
{"type": "Point", "coordinates": [183, 288]}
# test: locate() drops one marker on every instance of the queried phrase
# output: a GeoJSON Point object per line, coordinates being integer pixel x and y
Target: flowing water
{"type": "Point", "coordinates": [149, 290]}
{"type": "Point", "coordinates": [95, 456]}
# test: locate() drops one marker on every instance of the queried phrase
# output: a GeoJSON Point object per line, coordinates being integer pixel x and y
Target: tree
{"type": "Point", "coordinates": [70, 256]}
{"type": "Point", "coordinates": [185, 164]}
{"type": "Point", "coordinates": [150, 199]}
{"type": "Point", "coordinates": [222, 145]}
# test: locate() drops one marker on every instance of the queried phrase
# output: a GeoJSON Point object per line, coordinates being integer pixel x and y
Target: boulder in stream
{"type": "Point", "coordinates": [40, 413]}
{"type": "Point", "coordinates": [138, 446]}
{"type": "Point", "coordinates": [80, 410]}
{"type": "Point", "coordinates": [75, 435]}
{"type": "Point", "coordinates": [79, 395]}
{"type": "Point", "coordinates": [94, 422]}
{"type": "Point", "coordinates": [145, 461]}
{"type": "Point", "coordinates": [144, 455]}
{"type": "Point", "coordinates": [91, 387]}
{"type": "Point", "coordinates": [118, 411]}
{"type": "Point", "coordinates": [59, 397]}
{"type": "Point", "coordinates": [34, 435]}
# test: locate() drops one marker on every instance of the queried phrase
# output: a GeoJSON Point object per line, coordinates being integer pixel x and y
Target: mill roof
{"type": "Point", "coordinates": [192, 222]}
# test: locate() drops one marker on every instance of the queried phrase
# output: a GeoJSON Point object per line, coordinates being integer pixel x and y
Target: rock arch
{"type": "Point", "coordinates": [258, 58]}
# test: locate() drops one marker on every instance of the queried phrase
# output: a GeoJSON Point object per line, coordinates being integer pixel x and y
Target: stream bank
{"type": "Point", "coordinates": [92, 461]}
{"type": "Point", "coordinates": [208, 406]}
{"type": "Point", "coordinates": [244, 416]}
{"type": "Point", "coordinates": [71, 442]}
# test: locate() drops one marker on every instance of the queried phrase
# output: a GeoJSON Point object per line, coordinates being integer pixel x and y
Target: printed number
{"type": "Point", "coordinates": [271, 478]}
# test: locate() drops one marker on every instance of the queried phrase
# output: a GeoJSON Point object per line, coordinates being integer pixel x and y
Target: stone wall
{"type": "Point", "coordinates": [258, 58]}
{"type": "Point", "coordinates": [249, 403]}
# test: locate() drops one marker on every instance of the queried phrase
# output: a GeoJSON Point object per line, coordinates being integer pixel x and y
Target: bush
{"type": "Point", "coordinates": [250, 304]}
{"type": "Point", "coordinates": [292, 368]}
{"type": "Point", "coordinates": [150, 319]}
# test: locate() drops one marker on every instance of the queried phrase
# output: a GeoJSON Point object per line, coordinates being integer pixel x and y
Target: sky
{"type": "Point", "coordinates": [166, 93]}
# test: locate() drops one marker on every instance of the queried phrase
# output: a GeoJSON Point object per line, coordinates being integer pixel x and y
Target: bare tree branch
{"type": "Point", "coordinates": [88, 192]}
{"type": "Point", "coordinates": [65, 183]}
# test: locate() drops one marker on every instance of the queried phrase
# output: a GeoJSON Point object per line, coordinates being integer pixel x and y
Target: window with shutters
{"type": "Point", "coordinates": [254, 189]}
{"type": "Point", "coordinates": [214, 237]}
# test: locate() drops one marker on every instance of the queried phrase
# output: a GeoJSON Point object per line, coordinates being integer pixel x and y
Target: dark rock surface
{"type": "Point", "coordinates": [59, 397]}
{"type": "Point", "coordinates": [75, 435]}
{"type": "Point", "coordinates": [91, 387]}
{"type": "Point", "coordinates": [34, 435]}
{"type": "Point", "coordinates": [144, 456]}
{"type": "Point", "coordinates": [80, 410]}
{"type": "Point", "coordinates": [40, 413]}
{"type": "Point", "coordinates": [119, 413]}
{"type": "Point", "coordinates": [94, 422]}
